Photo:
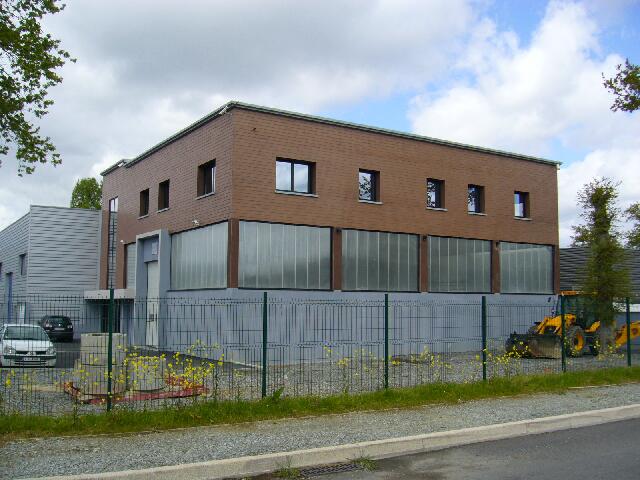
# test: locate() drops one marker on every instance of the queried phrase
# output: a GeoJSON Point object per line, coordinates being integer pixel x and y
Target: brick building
{"type": "Point", "coordinates": [252, 198]}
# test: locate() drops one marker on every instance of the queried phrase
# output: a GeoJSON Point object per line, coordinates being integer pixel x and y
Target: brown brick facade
{"type": "Point", "coordinates": [246, 143]}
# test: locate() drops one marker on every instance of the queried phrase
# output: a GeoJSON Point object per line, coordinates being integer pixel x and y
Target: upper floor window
{"type": "Point", "coordinates": [113, 204]}
{"type": "Point", "coordinates": [475, 199]}
{"type": "Point", "coordinates": [369, 185]}
{"type": "Point", "coordinates": [207, 178]}
{"type": "Point", "coordinates": [163, 195]}
{"type": "Point", "coordinates": [23, 264]}
{"type": "Point", "coordinates": [294, 176]}
{"type": "Point", "coordinates": [435, 193]}
{"type": "Point", "coordinates": [144, 202]}
{"type": "Point", "coordinates": [521, 204]}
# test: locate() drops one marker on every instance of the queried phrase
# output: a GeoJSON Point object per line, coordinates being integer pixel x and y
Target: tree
{"type": "Point", "coordinates": [605, 277]}
{"type": "Point", "coordinates": [29, 59]}
{"type": "Point", "coordinates": [87, 193]}
{"type": "Point", "coordinates": [633, 235]}
{"type": "Point", "coordinates": [625, 86]}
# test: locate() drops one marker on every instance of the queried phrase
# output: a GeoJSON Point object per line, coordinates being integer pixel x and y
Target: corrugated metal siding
{"type": "Point", "coordinates": [64, 250]}
{"type": "Point", "coordinates": [573, 260]}
{"type": "Point", "coordinates": [131, 266]}
{"type": "Point", "coordinates": [14, 241]}
{"type": "Point", "coordinates": [199, 258]}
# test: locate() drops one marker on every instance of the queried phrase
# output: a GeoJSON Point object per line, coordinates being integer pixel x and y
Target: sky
{"type": "Point", "coordinates": [521, 76]}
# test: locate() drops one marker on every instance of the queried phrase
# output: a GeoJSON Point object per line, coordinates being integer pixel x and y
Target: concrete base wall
{"type": "Point", "coordinates": [312, 325]}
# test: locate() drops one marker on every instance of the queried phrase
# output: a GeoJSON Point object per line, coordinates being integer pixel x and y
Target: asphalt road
{"type": "Point", "coordinates": [609, 451]}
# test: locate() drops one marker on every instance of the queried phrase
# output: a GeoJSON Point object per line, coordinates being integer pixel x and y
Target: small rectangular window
{"type": "Point", "coordinates": [207, 178]}
{"type": "Point", "coordinates": [521, 204]}
{"type": "Point", "coordinates": [294, 176]}
{"type": "Point", "coordinates": [113, 205]}
{"type": "Point", "coordinates": [163, 195]}
{"type": "Point", "coordinates": [144, 202]}
{"type": "Point", "coordinates": [475, 199]}
{"type": "Point", "coordinates": [435, 193]}
{"type": "Point", "coordinates": [23, 264]}
{"type": "Point", "coordinates": [369, 185]}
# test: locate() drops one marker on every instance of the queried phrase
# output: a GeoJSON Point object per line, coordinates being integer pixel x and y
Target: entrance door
{"type": "Point", "coordinates": [153, 286]}
{"type": "Point", "coordinates": [9, 289]}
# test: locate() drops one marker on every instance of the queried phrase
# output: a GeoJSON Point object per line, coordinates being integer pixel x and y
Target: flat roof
{"type": "Point", "coordinates": [317, 119]}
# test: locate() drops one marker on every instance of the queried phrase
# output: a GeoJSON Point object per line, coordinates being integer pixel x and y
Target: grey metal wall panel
{"type": "Point", "coordinates": [14, 241]}
{"type": "Point", "coordinates": [64, 251]}
{"type": "Point", "coordinates": [199, 258]}
{"type": "Point", "coordinates": [573, 260]}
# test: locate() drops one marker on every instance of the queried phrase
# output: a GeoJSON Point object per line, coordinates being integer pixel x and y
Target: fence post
{"type": "Point", "coordinates": [386, 340]}
{"type": "Point", "coordinates": [110, 348]}
{"type": "Point", "coordinates": [484, 338]}
{"type": "Point", "coordinates": [264, 344]}
{"type": "Point", "coordinates": [628, 332]}
{"type": "Point", "coordinates": [563, 350]}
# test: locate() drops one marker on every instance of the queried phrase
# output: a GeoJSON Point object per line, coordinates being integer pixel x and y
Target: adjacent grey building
{"type": "Point", "coordinates": [50, 252]}
{"type": "Point", "coordinates": [574, 259]}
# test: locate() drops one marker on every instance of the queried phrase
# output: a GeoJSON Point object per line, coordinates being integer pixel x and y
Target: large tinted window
{"type": "Point", "coordinates": [199, 258]}
{"type": "Point", "coordinates": [274, 255]}
{"type": "Point", "coordinates": [459, 265]}
{"type": "Point", "coordinates": [526, 268]}
{"type": "Point", "coordinates": [379, 261]}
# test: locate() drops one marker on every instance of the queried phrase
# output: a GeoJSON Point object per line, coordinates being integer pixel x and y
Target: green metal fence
{"type": "Point", "coordinates": [160, 353]}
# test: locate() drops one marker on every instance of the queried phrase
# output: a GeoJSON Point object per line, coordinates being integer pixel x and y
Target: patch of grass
{"type": "Point", "coordinates": [287, 472]}
{"type": "Point", "coordinates": [365, 463]}
{"type": "Point", "coordinates": [233, 412]}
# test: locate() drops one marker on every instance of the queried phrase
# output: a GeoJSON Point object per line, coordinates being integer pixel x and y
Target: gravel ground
{"type": "Point", "coordinates": [20, 459]}
{"type": "Point", "coordinates": [39, 390]}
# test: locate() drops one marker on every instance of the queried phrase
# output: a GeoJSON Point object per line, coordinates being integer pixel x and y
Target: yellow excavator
{"type": "Point", "coordinates": [582, 332]}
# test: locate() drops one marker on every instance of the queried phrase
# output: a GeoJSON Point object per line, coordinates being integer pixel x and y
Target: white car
{"type": "Point", "coordinates": [26, 346]}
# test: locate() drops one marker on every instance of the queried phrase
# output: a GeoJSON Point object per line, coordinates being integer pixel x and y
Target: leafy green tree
{"type": "Point", "coordinates": [87, 194]}
{"type": "Point", "coordinates": [605, 277]}
{"type": "Point", "coordinates": [633, 235]}
{"type": "Point", "coordinates": [29, 59]}
{"type": "Point", "coordinates": [625, 86]}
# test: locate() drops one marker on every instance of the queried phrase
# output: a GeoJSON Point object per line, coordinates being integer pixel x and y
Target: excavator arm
{"type": "Point", "coordinates": [621, 334]}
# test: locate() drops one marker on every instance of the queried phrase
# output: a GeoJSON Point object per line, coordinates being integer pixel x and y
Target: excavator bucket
{"type": "Point", "coordinates": [534, 345]}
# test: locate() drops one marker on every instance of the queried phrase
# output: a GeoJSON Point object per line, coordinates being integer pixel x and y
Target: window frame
{"type": "Point", "coordinates": [205, 187]}
{"type": "Point", "coordinates": [22, 264]}
{"type": "Point", "coordinates": [375, 188]}
{"type": "Point", "coordinates": [164, 189]}
{"type": "Point", "coordinates": [113, 205]}
{"type": "Point", "coordinates": [524, 196]}
{"type": "Point", "coordinates": [480, 205]}
{"type": "Point", "coordinates": [143, 211]}
{"type": "Point", "coordinates": [439, 193]}
{"type": "Point", "coordinates": [292, 185]}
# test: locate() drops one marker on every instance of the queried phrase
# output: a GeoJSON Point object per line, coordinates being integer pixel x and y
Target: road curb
{"type": "Point", "coordinates": [377, 449]}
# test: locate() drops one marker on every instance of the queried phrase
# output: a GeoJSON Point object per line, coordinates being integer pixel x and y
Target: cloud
{"type": "Point", "coordinates": [542, 98]}
{"type": "Point", "coordinates": [147, 68]}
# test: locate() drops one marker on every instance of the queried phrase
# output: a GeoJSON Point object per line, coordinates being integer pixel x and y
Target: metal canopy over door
{"type": "Point", "coordinates": [153, 288]}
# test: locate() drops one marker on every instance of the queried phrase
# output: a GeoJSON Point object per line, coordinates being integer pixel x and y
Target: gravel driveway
{"type": "Point", "coordinates": [27, 458]}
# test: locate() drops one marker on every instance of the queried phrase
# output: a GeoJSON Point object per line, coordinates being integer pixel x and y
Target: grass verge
{"type": "Point", "coordinates": [230, 412]}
